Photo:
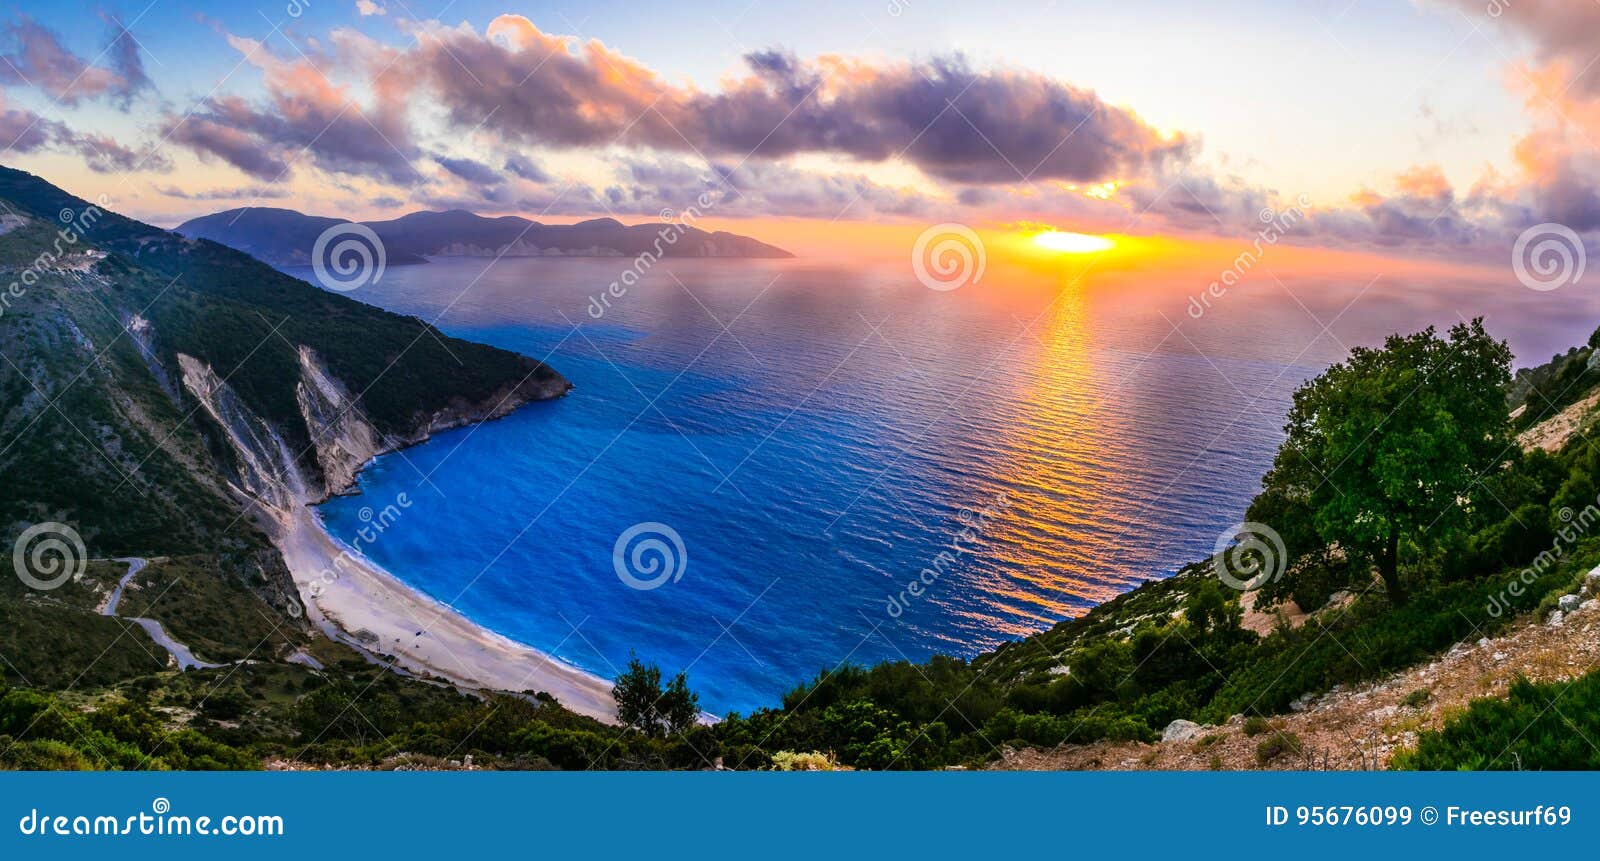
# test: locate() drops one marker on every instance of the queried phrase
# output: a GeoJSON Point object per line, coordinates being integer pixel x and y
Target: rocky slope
{"type": "Point", "coordinates": [1361, 727]}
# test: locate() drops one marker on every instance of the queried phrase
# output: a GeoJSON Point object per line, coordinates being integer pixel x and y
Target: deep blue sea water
{"type": "Point", "coordinates": [817, 433]}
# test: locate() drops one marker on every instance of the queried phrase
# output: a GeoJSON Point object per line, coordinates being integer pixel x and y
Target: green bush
{"type": "Point", "coordinates": [1277, 744]}
{"type": "Point", "coordinates": [1536, 727]}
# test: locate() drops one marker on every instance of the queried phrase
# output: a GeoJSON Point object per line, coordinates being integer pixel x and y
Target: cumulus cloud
{"type": "Point", "coordinates": [254, 192]}
{"type": "Point", "coordinates": [213, 133]}
{"type": "Point", "coordinates": [521, 166]}
{"type": "Point", "coordinates": [23, 131]}
{"type": "Point", "coordinates": [32, 55]}
{"type": "Point", "coordinates": [103, 154]}
{"type": "Point", "coordinates": [821, 137]}
{"type": "Point", "coordinates": [469, 170]}
{"type": "Point", "coordinates": [1558, 161]}
{"type": "Point", "coordinates": [952, 121]}
{"type": "Point", "coordinates": [758, 188]}
{"type": "Point", "coordinates": [126, 61]}
{"type": "Point", "coordinates": [1566, 31]}
{"type": "Point", "coordinates": [307, 117]}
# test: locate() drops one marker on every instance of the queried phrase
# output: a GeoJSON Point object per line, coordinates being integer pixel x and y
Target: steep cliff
{"type": "Point", "coordinates": [165, 397]}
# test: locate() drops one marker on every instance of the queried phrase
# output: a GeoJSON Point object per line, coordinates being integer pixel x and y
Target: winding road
{"type": "Point", "coordinates": [179, 652]}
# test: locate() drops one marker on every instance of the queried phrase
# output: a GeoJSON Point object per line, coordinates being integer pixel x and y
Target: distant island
{"type": "Point", "coordinates": [284, 237]}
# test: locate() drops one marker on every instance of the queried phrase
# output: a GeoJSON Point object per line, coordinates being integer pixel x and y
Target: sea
{"type": "Point", "coordinates": [768, 469]}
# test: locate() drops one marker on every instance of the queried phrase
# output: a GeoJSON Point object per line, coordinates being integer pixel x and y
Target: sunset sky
{"type": "Point", "coordinates": [1436, 128]}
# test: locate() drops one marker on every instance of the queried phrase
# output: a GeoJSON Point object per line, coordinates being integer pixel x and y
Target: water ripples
{"type": "Point", "coordinates": [815, 459]}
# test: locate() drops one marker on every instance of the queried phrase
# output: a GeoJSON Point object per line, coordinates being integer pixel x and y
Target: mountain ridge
{"type": "Point", "coordinates": [286, 237]}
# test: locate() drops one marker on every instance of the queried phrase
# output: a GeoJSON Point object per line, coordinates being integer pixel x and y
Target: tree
{"type": "Point", "coordinates": [1389, 446]}
{"type": "Point", "coordinates": [680, 707]}
{"type": "Point", "coordinates": [637, 692]}
{"type": "Point", "coordinates": [644, 705]}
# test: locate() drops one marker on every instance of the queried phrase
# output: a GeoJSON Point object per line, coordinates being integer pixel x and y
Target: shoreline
{"type": "Point", "coordinates": [368, 608]}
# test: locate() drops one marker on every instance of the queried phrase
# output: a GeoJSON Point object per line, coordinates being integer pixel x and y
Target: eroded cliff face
{"type": "Point", "coordinates": [343, 439]}
{"type": "Point", "coordinates": [342, 436]}
{"type": "Point", "coordinates": [502, 403]}
{"type": "Point", "coordinates": [266, 468]}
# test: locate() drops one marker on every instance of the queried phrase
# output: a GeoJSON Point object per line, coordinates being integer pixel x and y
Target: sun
{"type": "Point", "coordinates": [1072, 243]}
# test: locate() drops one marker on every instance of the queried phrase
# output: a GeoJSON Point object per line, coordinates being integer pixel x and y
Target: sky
{"type": "Point", "coordinates": [1436, 127]}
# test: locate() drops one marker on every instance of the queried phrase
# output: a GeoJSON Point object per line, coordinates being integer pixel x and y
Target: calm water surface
{"type": "Point", "coordinates": [818, 433]}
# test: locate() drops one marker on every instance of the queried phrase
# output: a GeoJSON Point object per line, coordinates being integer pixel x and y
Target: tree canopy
{"type": "Point", "coordinates": [643, 704]}
{"type": "Point", "coordinates": [1389, 447]}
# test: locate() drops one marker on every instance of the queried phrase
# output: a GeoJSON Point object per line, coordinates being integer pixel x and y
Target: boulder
{"type": "Point", "coordinates": [1567, 603]}
{"type": "Point", "coordinates": [1181, 730]}
{"type": "Point", "coordinates": [1556, 618]}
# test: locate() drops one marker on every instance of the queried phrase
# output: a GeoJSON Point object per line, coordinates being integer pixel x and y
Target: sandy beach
{"type": "Point", "coordinates": [359, 603]}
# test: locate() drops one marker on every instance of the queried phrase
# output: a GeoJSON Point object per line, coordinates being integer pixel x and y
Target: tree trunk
{"type": "Point", "coordinates": [1389, 569]}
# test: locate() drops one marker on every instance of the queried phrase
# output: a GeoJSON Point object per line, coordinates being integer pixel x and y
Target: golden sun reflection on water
{"type": "Point", "coordinates": [1052, 460]}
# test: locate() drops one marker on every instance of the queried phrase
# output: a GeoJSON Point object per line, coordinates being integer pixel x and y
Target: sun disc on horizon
{"type": "Point", "coordinates": [1067, 242]}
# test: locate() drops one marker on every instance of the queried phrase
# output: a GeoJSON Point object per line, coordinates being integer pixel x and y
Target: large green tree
{"type": "Point", "coordinates": [1389, 447]}
{"type": "Point", "coordinates": [643, 704]}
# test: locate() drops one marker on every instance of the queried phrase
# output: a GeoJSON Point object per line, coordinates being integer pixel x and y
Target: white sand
{"type": "Point", "coordinates": [365, 606]}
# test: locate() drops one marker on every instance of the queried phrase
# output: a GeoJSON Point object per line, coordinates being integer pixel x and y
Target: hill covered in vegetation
{"type": "Point", "coordinates": [284, 237]}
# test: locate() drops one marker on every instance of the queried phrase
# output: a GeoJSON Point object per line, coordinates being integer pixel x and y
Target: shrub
{"type": "Point", "coordinates": [1417, 698]}
{"type": "Point", "coordinates": [1277, 744]}
{"type": "Point", "coordinates": [788, 760]}
{"type": "Point", "coordinates": [1522, 731]}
